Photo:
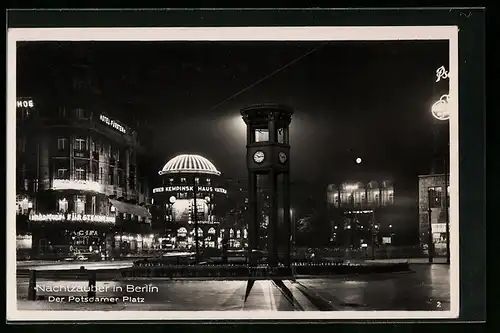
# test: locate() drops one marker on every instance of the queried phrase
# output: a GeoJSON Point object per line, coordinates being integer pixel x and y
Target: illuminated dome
{"type": "Point", "coordinates": [189, 164]}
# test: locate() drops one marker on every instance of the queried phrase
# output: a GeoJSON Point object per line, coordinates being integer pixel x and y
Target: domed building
{"type": "Point", "coordinates": [188, 199]}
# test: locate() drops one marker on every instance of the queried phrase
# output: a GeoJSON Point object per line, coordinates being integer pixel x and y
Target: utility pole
{"type": "Point", "coordinates": [195, 220]}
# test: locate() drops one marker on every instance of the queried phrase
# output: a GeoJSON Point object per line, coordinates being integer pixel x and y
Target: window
{"type": "Point", "coordinates": [80, 113]}
{"type": "Point", "coordinates": [62, 143]}
{"type": "Point", "coordinates": [171, 181]}
{"type": "Point", "coordinates": [93, 205]}
{"type": "Point", "coordinates": [435, 196]}
{"type": "Point", "coordinates": [117, 156]}
{"type": "Point", "coordinates": [261, 135]}
{"type": "Point", "coordinates": [80, 204]}
{"type": "Point", "coordinates": [209, 181]}
{"type": "Point", "coordinates": [111, 176]}
{"type": "Point", "coordinates": [197, 180]}
{"type": "Point", "coordinates": [62, 111]}
{"type": "Point", "coordinates": [63, 205]}
{"type": "Point", "coordinates": [21, 144]}
{"type": "Point", "coordinates": [62, 173]}
{"type": "Point", "coordinates": [80, 144]}
{"type": "Point", "coordinates": [183, 180]}
{"type": "Point", "coordinates": [281, 135]}
{"type": "Point", "coordinates": [80, 174]}
{"type": "Point", "coordinates": [120, 178]}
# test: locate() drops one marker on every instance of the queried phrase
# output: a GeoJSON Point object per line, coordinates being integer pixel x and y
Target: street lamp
{"type": "Point", "coordinates": [358, 160]}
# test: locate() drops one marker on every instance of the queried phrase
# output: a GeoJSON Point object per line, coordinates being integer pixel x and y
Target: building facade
{"type": "Point", "coordinates": [190, 199]}
{"type": "Point", "coordinates": [79, 190]}
{"type": "Point", "coordinates": [434, 205]}
{"type": "Point", "coordinates": [360, 213]}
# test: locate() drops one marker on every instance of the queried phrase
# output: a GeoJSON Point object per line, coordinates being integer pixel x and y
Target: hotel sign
{"type": "Point", "coordinates": [25, 103]}
{"type": "Point", "coordinates": [112, 123]}
{"type": "Point", "coordinates": [71, 218]}
{"type": "Point", "coordinates": [187, 188]}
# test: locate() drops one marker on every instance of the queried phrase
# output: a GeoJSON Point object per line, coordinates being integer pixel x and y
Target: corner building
{"type": "Point", "coordinates": [79, 186]}
{"type": "Point", "coordinates": [188, 199]}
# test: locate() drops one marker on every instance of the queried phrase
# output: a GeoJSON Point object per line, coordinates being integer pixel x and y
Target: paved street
{"type": "Point", "coordinates": [426, 289]}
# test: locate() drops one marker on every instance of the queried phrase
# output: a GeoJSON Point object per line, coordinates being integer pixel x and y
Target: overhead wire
{"type": "Point", "coordinates": [266, 77]}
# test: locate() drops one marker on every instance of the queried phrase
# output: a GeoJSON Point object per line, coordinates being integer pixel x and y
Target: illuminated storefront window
{"type": "Point", "coordinates": [63, 205]}
{"type": "Point", "coordinates": [80, 204]}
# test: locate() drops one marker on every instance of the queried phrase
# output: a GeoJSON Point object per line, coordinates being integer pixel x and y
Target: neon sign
{"type": "Point", "coordinates": [440, 109]}
{"type": "Point", "coordinates": [112, 123]}
{"type": "Point", "coordinates": [79, 185]}
{"type": "Point", "coordinates": [442, 73]}
{"type": "Point", "coordinates": [72, 218]}
{"type": "Point", "coordinates": [188, 188]}
{"type": "Point", "coordinates": [28, 103]}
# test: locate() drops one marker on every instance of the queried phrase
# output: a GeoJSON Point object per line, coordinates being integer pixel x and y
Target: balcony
{"type": "Point", "coordinates": [81, 153]}
{"type": "Point", "coordinates": [95, 155]}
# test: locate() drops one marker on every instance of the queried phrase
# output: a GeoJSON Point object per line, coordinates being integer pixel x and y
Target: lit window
{"type": "Point", "coordinates": [80, 144]}
{"type": "Point", "coordinates": [238, 233]}
{"type": "Point", "coordinates": [182, 232]}
{"type": "Point", "coordinates": [209, 181]}
{"type": "Point", "coordinates": [183, 180]}
{"type": "Point", "coordinates": [62, 143]}
{"type": "Point", "coordinates": [80, 204]}
{"type": "Point", "coordinates": [62, 173]}
{"type": "Point", "coordinates": [197, 181]}
{"type": "Point", "coordinates": [261, 135]}
{"type": "Point", "coordinates": [80, 174]}
{"type": "Point", "coordinates": [63, 205]}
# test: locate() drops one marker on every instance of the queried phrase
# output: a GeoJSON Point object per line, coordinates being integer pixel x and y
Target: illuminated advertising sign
{"type": "Point", "coordinates": [442, 73]}
{"type": "Point", "coordinates": [72, 218]}
{"type": "Point", "coordinates": [182, 210]}
{"type": "Point", "coordinates": [79, 185]}
{"type": "Point", "coordinates": [187, 188]}
{"type": "Point", "coordinates": [112, 123]}
{"type": "Point", "coordinates": [440, 109]}
{"type": "Point", "coordinates": [25, 103]}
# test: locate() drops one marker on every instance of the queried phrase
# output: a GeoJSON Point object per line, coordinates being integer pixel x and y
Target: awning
{"type": "Point", "coordinates": [127, 208]}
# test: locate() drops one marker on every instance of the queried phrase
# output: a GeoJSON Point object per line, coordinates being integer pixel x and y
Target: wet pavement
{"type": "Point", "coordinates": [426, 289]}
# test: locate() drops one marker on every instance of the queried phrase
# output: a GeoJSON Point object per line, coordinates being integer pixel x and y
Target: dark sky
{"type": "Point", "coordinates": [366, 99]}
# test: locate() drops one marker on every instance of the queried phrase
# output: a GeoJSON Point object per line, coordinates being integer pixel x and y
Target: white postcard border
{"type": "Point", "coordinates": [358, 33]}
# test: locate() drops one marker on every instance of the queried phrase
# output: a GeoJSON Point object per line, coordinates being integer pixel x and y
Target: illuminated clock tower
{"type": "Point", "coordinates": [268, 157]}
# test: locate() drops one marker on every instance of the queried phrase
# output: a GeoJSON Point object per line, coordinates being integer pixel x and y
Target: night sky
{"type": "Point", "coordinates": [351, 99]}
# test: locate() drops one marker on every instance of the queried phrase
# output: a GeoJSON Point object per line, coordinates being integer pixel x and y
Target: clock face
{"type": "Point", "coordinates": [282, 157]}
{"type": "Point", "coordinates": [258, 157]}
